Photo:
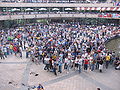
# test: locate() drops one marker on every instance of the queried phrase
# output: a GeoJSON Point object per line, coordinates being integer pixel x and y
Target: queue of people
{"type": "Point", "coordinates": [68, 46]}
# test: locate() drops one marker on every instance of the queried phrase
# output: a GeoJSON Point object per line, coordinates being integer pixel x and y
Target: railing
{"type": "Point", "coordinates": [33, 16]}
{"type": "Point", "coordinates": [6, 4]}
{"type": "Point", "coordinates": [53, 1]}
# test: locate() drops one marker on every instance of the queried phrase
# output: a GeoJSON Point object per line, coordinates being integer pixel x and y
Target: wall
{"type": "Point", "coordinates": [56, 5]}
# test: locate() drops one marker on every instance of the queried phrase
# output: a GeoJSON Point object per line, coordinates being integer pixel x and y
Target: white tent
{"type": "Point", "coordinates": [15, 9]}
{"type": "Point", "coordinates": [108, 9]}
{"type": "Point", "coordinates": [82, 8]}
{"type": "Point", "coordinates": [56, 9]}
{"type": "Point", "coordinates": [93, 8]}
{"type": "Point", "coordinates": [98, 8]}
{"type": "Point", "coordinates": [118, 9]}
{"type": "Point", "coordinates": [29, 9]}
{"type": "Point", "coordinates": [68, 9]}
{"type": "Point", "coordinates": [114, 9]}
{"type": "Point", "coordinates": [42, 9]}
{"type": "Point", "coordinates": [78, 8]}
{"type": "Point", "coordinates": [88, 8]}
{"type": "Point", "coordinates": [103, 8]}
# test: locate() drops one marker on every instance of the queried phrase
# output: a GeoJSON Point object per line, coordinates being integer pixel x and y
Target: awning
{"type": "Point", "coordinates": [15, 9]}
{"type": "Point", "coordinates": [118, 9]}
{"type": "Point", "coordinates": [82, 8]}
{"type": "Point", "coordinates": [92, 8]}
{"type": "Point", "coordinates": [29, 9]}
{"type": "Point", "coordinates": [56, 9]}
{"type": "Point", "coordinates": [115, 8]}
{"type": "Point", "coordinates": [42, 9]}
{"type": "Point", "coordinates": [111, 9]}
{"type": "Point", "coordinates": [103, 8]}
{"type": "Point", "coordinates": [108, 9]}
{"type": "Point", "coordinates": [78, 8]}
{"type": "Point", "coordinates": [98, 8]}
{"type": "Point", "coordinates": [68, 9]}
{"type": "Point", "coordinates": [88, 8]}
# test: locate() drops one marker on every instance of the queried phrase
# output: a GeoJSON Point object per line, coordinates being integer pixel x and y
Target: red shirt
{"type": "Point", "coordinates": [86, 61]}
{"type": "Point", "coordinates": [15, 48]}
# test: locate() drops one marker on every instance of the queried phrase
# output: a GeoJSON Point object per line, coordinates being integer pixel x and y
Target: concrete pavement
{"type": "Point", "coordinates": [19, 74]}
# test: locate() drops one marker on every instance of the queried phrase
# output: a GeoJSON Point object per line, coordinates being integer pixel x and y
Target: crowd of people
{"type": "Point", "coordinates": [68, 46]}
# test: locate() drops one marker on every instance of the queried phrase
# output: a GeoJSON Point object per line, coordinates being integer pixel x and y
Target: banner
{"type": "Point", "coordinates": [114, 15]}
{"type": "Point", "coordinates": [118, 4]}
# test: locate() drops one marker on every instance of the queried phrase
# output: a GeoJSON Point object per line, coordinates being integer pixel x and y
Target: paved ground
{"type": "Point", "coordinates": [19, 74]}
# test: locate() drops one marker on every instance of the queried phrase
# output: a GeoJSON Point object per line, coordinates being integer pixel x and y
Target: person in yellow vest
{"type": "Point", "coordinates": [11, 49]}
{"type": "Point", "coordinates": [54, 57]}
{"type": "Point", "coordinates": [107, 60]}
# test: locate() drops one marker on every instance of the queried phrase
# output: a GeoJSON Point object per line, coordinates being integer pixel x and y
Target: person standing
{"type": "Point", "coordinates": [15, 49]}
{"type": "Point", "coordinates": [80, 60]}
{"type": "Point", "coordinates": [101, 65]}
{"type": "Point", "coordinates": [28, 51]}
{"type": "Point", "coordinates": [1, 54]}
{"type": "Point", "coordinates": [92, 63]}
{"type": "Point", "coordinates": [65, 63]}
{"type": "Point", "coordinates": [5, 51]}
{"type": "Point", "coordinates": [55, 67]}
{"type": "Point", "coordinates": [47, 64]}
{"type": "Point", "coordinates": [86, 62]}
{"type": "Point", "coordinates": [107, 60]}
{"type": "Point", "coordinates": [60, 65]}
{"type": "Point", "coordinates": [11, 48]}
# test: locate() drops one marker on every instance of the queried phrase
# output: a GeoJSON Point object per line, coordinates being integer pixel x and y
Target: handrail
{"type": "Point", "coordinates": [56, 4]}
{"type": "Point", "coordinates": [33, 16]}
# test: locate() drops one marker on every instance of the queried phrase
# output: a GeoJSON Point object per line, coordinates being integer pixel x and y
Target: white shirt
{"type": "Point", "coordinates": [80, 61]}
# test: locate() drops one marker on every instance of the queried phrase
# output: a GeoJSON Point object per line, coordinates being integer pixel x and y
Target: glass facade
{"type": "Point", "coordinates": [54, 10]}
{"type": "Point", "coordinates": [83, 21]}
{"type": "Point", "coordinates": [102, 15]}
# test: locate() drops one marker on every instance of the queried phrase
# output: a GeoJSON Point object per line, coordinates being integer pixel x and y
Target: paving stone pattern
{"type": "Point", "coordinates": [20, 74]}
